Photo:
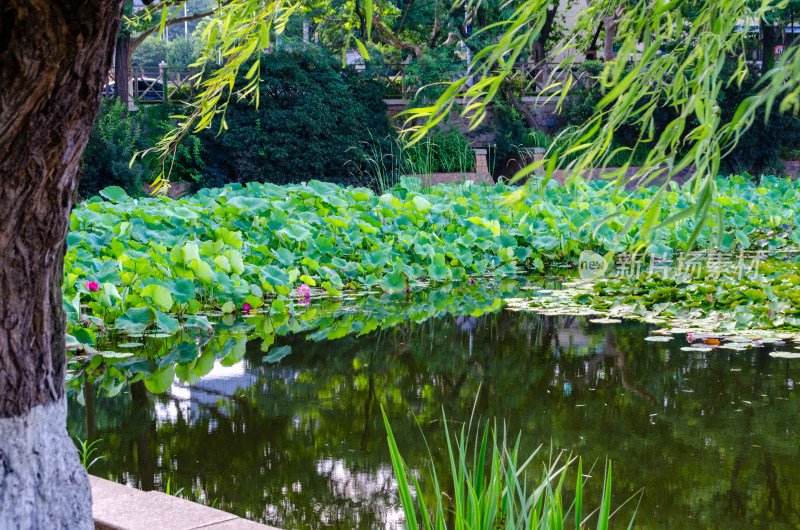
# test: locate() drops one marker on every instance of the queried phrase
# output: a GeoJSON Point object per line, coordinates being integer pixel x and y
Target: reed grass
{"type": "Point", "coordinates": [492, 488]}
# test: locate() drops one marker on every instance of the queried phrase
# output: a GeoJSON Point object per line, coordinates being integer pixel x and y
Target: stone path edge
{"type": "Point", "coordinates": [119, 507]}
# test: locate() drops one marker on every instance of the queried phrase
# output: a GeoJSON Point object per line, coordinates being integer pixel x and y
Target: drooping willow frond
{"type": "Point", "coordinates": [238, 32]}
{"type": "Point", "coordinates": [671, 55]}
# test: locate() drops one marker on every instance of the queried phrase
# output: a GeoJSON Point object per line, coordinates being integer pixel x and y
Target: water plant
{"type": "Point", "coordinates": [86, 450]}
{"type": "Point", "coordinates": [490, 486]}
{"type": "Point", "coordinates": [155, 268]}
{"type": "Point", "coordinates": [385, 162]}
{"type": "Point", "coordinates": [169, 491]}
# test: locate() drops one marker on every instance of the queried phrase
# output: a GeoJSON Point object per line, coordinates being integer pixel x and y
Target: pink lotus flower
{"type": "Point", "coordinates": [304, 292]}
{"type": "Point", "coordinates": [92, 286]}
{"type": "Point", "coordinates": [246, 307]}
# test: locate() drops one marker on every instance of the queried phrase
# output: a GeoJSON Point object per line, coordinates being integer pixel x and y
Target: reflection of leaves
{"type": "Point", "coordinates": [226, 338]}
{"type": "Point", "coordinates": [277, 354]}
{"type": "Point", "coordinates": [199, 322]}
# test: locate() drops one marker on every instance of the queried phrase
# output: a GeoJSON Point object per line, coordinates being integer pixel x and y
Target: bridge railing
{"type": "Point", "coordinates": [154, 84]}
{"type": "Point", "coordinates": [161, 84]}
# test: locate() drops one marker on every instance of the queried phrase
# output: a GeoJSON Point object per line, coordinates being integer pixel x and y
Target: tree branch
{"type": "Point", "coordinates": [405, 12]}
{"type": "Point", "coordinates": [386, 36]}
{"type": "Point", "coordinates": [362, 20]}
{"type": "Point", "coordinates": [136, 41]}
{"type": "Point", "coordinates": [530, 118]}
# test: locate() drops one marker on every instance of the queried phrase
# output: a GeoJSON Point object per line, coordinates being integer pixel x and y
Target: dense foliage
{"type": "Point", "coordinates": [119, 133]}
{"type": "Point", "coordinates": [768, 142]}
{"type": "Point", "coordinates": [133, 263]}
{"type": "Point", "coordinates": [113, 140]}
{"type": "Point", "coordinates": [761, 149]}
{"type": "Point", "coordinates": [311, 123]}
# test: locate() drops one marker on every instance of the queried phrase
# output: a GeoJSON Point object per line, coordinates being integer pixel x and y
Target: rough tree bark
{"type": "Point", "coordinates": [53, 59]}
{"type": "Point", "coordinates": [122, 66]}
{"type": "Point", "coordinates": [539, 54]}
{"type": "Point", "coordinates": [610, 24]}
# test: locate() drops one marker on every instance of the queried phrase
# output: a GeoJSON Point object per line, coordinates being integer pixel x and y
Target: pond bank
{"type": "Point", "coordinates": [119, 507]}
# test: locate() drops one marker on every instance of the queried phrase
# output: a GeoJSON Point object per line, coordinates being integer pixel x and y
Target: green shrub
{"type": "Point", "coordinates": [112, 142]}
{"type": "Point", "coordinates": [762, 148]}
{"type": "Point", "coordinates": [155, 122]}
{"type": "Point", "coordinates": [312, 121]}
{"type": "Point", "coordinates": [118, 134]}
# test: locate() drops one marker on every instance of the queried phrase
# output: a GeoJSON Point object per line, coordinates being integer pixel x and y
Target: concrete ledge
{"type": "Point", "coordinates": [118, 507]}
{"type": "Point", "coordinates": [454, 178]}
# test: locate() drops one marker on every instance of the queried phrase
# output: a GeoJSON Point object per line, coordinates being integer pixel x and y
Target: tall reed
{"type": "Point", "coordinates": [384, 162]}
{"type": "Point", "coordinates": [491, 489]}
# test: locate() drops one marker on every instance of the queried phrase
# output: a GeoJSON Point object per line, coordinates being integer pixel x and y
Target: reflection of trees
{"type": "Point", "coordinates": [610, 351]}
{"type": "Point", "coordinates": [312, 422]}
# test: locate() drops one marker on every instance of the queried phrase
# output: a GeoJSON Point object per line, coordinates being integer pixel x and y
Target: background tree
{"type": "Point", "coordinates": [138, 25]}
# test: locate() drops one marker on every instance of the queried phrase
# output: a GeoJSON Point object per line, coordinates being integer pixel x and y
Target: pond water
{"type": "Point", "coordinates": [710, 437]}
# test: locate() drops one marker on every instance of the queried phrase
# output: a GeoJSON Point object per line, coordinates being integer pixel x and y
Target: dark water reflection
{"type": "Point", "coordinates": [712, 438]}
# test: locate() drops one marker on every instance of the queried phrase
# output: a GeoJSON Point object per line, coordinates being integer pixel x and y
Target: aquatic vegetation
{"type": "Point", "coordinates": [161, 351]}
{"type": "Point", "coordinates": [765, 296]}
{"type": "Point", "coordinates": [142, 270]}
{"type": "Point", "coordinates": [491, 486]}
{"type": "Point", "coordinates": [86, 451]}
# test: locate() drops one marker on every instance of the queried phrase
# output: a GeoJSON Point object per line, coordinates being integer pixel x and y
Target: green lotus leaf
{"type": "Point", "coordinates": [114, 194]}
{"type": "Point", "coordinates": [160, 380]}
{"type": "Point", "coordinates": [159, 295]}
{"type": "Point", "coordinates": [135, 320]}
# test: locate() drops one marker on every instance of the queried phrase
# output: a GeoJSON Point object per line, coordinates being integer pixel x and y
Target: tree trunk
{"type": "Point", "coordinates": [530, 118]}
{"type": "Point", "coordinates": [767, 46]}
{"type": "Point", "coordinates": [540, 44]}
{"type": "Point", "coordinates": [53, 59]}
{"type": "Point", "coordinates": [122, 66]}
{"type": "Point", "coordinates": [591, 49]}
{"type": "Point", "coordinates": [610, 24]}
